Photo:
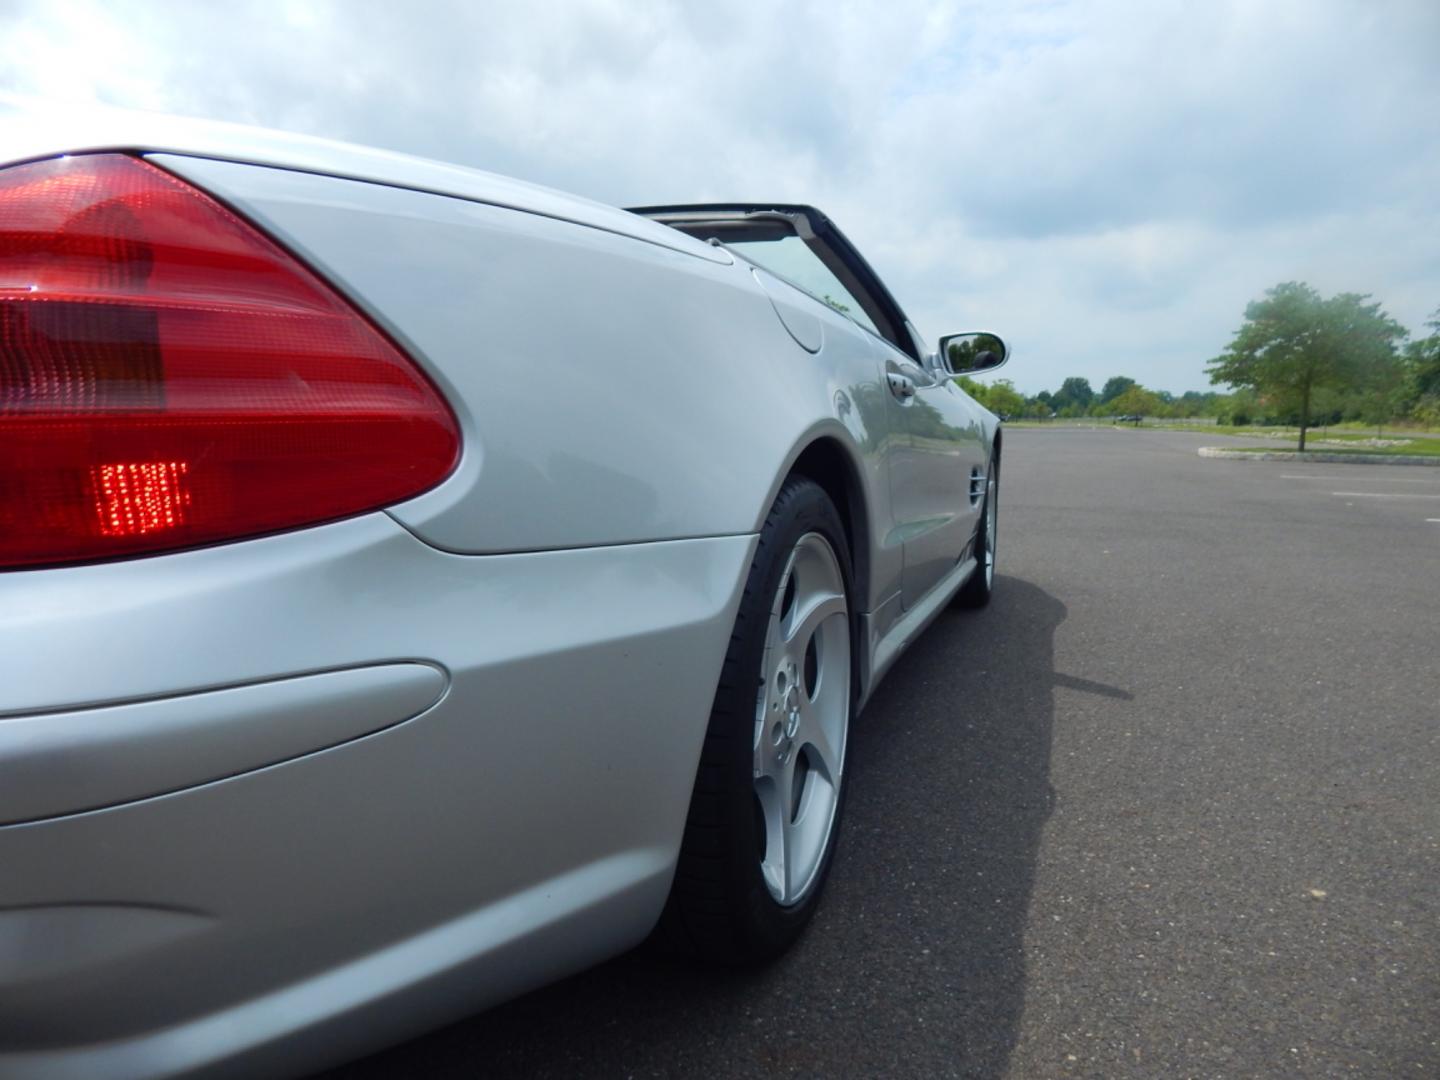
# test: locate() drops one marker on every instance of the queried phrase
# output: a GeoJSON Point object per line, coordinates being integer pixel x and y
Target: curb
{"type": "Point", "coordinates": [1317, 455]}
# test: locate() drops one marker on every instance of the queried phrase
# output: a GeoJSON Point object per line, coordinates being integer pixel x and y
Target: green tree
{"type": "Point", "coordinates": [1074, 391]}
{"type": "Point", "coordinates": [1036, 409]}
{"type": "Point", "coordinates": [1329, 406]}
{"type": "Point", "coordinates": [1003, 399]}
{"type": "Point", "coordinates": [979, 391]}
{"type": "Point", "coordinates": [1114, 387]}
{"type": "Point", "coordinates": [1137, 401]}
{"type": "Point", "coordinates": [1240, 408]}
{"type": "Point", "coordinates": [1421, 392]}
{"type": "Point", "coordinates": [1383, 396]}
{"type": "Point", "coordinates": [1194, 403]}
{"type": "Point", "coordinates": [1426, 411]}
{"type": "Point", "coordinates": [1293, 342]}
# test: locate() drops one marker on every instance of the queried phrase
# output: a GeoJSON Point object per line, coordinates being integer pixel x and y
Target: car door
{"type": "Point", "coordinates": [937, 470]}
{"type": "Point", "coordinates": [934, 451]}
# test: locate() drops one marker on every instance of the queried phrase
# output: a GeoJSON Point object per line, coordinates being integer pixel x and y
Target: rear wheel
{"type": "Point", "coordinates": [768, 795]}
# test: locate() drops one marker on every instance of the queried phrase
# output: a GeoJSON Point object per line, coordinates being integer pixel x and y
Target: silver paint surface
{"type": "Point", "coordinates": [306, 794]}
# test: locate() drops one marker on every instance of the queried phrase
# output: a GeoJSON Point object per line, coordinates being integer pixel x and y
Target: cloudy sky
{"type": "Point", "coordinates": [1104, 184]}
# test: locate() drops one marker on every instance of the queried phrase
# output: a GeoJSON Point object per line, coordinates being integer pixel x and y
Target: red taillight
{"type": "Point", "coordinates": [171, 377]}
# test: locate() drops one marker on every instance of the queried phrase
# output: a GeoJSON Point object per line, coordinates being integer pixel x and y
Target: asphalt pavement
{"type": "Point", "coordinates": [1170, 807]}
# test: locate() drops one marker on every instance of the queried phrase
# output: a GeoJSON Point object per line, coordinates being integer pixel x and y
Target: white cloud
{"type": "Point", "coordinates": [1106, 184]}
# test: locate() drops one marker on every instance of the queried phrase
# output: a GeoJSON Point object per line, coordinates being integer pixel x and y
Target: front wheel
{"type": "Point", "coordinates": [975, 593]}
{"type": "Point", "coordinates": [768, 795]}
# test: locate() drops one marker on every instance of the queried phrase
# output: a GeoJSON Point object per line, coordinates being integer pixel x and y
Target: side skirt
{"type": "Point", "coordinates": [913, 623]}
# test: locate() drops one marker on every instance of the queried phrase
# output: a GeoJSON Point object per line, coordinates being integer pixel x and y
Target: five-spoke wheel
{"type": "Point", "coordinates": [769, 790]}
{"type": "Point", "coordinates": [802, 716]}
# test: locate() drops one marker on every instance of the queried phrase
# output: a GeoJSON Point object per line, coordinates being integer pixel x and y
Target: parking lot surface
{"type": "Point", "coordinates": [1169, 807]}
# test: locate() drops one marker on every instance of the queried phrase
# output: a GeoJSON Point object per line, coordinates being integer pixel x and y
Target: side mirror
{"type": "Point", "coordinates": [965, 353]}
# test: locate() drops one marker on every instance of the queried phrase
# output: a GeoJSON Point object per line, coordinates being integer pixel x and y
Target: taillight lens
{"type": "Point", "coordinates": [170, 377]}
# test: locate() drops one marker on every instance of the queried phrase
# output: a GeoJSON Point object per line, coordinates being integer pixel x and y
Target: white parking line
{"type": "Point", "coordinates": [1381, 495]}
{"type": "Point", "coordinates": [1366, 479]}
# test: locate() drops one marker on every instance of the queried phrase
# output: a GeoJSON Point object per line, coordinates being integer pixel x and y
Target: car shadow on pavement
{"type": "Point", "coordinates": [915, 964]}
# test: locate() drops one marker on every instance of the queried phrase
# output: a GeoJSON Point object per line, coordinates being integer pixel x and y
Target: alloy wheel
{"type": "Point", "coordinates": [802, 719]}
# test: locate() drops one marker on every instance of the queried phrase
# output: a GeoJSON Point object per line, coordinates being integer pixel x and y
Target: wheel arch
{"type": "Point", "coordinates": [827, 461]}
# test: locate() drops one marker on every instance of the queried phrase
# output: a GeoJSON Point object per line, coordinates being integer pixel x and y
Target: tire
{"type": "Point", "coordinates": [975, 593]}
{"type": "Point", "coordinates": [769, 790]}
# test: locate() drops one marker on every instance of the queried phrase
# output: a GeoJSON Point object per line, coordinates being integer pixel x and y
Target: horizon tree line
{"type": "Point", "coordinates": [1297, 359]}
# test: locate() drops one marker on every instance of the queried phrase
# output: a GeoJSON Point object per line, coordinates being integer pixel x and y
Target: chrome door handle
{"type": "Point", "coordinates": [902, 386]}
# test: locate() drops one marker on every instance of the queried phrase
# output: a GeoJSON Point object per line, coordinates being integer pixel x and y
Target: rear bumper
{"type": "Point", "coordinates": [358, 787]}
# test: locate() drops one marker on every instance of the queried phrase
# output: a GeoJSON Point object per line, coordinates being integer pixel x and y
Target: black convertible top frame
{"type": "Point", "coordinates": [759, 221]}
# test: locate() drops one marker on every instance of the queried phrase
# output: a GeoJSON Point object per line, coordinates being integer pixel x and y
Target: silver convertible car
{"type": "Point", "coordinates": [416, 585]}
